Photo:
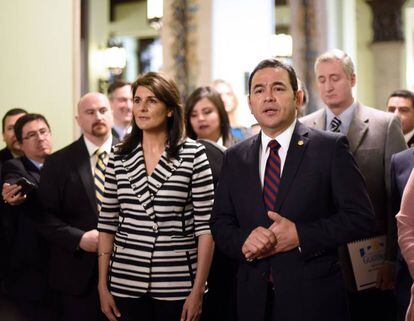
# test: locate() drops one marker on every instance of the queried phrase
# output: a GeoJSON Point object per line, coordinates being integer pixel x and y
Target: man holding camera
{"type": "Point", "coordinates": [25, 281]}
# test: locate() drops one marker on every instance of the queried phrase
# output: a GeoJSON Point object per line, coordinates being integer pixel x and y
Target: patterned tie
{"type": "Point", "coordinates": [334, 126]}
{"type": "Point", "coordinates": [100, 176]}
{"type": "Point", "coordinates": [272, 176]}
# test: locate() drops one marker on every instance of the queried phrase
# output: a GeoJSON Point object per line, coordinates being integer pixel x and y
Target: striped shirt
{"type": "Point", "coordinates": [156, 220]}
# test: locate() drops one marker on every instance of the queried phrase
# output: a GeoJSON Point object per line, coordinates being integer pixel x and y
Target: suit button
{"type": "Point", "coordinates": [158, 185]}
{"type": "Point", "coordinates": [139, 195]}
{"type": "Point", "coordinates": [155, 227]}
{"type": "Point", "coordinates": [133, 185]}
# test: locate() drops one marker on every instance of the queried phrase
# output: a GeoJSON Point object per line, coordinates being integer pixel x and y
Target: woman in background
{"type": "Point", "coordinates": [230, 104]}
{"type": "Point", "coordinates": [155, 247]}
{"type": "Point", "coordinates": [206, 117]}
{"type": "Point", "coordinates": [405, 222]}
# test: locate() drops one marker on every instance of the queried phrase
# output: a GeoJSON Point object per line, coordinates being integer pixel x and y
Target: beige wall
{"type": "Point", "coordinates": [37, 61]}
{"type": "Point", "coordinates": [365, 60]}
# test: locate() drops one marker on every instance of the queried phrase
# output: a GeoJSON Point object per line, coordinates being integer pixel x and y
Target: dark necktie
{"type": "Point", "coordinates": [334, 126]}
{"type": "Point", "coordinates": [272, 176]}
{"type": "Point", "coordinates": [100, 176]}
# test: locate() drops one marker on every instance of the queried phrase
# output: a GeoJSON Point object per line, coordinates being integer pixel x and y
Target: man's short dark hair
{"type": "Point", "coordinates": [115, 85]}
{"type": "Point", "coordinates": [274, 63]}
{"type": "Point", "coordinates": [11, 112]}
{"type": "Point", "coordinates": [403, 93]}
{"type": "Point", "coordinates": [18, 127]}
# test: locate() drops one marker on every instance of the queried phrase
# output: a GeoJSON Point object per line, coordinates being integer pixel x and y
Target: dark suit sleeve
{"type": "Point", "coordinates": [395, 208]}
{"type": "Point", "coordinates": [394, 143]}
{"type": "Point", "coordinates": [13, 170]}
{"type": "Point", "coordinates": [51, 224]}
{"type": "Point", "coordinates": [353, 218]}
{"type": "Point", "coordinates": [224, 224]}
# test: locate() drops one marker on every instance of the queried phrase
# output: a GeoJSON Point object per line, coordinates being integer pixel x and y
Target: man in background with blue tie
{"type": "Point", "coordinates": [374, 136]}
{"type": "Point", "coordinates": [286, 199]}
{"type": "Point", "coordinates": [70, 192]}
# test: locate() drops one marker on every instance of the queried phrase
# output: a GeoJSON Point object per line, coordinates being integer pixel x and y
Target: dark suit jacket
{"type": "Point", "coordinates": [215, 154]}
{"type": "Point", "coordinates": [69, 209]}
{"type": "Point", "coordinates": [5, 155]}
{"type": "Point", "coordinates": [324, 194]}
{"type": "Point", "coordinates": [220, 301]}
{"type": "Point", "coordinates": [26, 274]}
{"type": "Point", "coordinates": [401, 165]}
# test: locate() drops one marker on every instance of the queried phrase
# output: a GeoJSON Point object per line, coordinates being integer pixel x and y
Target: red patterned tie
{"type": "Point", "coordinates": [272, 176]}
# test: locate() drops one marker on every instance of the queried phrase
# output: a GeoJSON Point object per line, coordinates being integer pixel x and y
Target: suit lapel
{"type": "Point", "coordinates": [253, 183]}
{"type": "Point", "coordinates": [31, 169]}
{"type": "Point", "coordinates": [357, 128]}
{"type": "Point", "coordinates": [319, 121]}
{"type": "Point", "coordinates": [134, 165]}
{"type": "Point", "coordinates": [83, 167]}
{"type": "Point", "coordinates": [297, 147]}
{"type": "Point", "coordinates": [410, 143]}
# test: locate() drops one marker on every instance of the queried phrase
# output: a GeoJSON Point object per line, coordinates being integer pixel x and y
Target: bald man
{"type": "Point", "coordinates": [70, 211]}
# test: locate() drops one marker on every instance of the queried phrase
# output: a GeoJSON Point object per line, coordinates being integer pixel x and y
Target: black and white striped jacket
{"type": "Point", "coordinates": [156, 221]}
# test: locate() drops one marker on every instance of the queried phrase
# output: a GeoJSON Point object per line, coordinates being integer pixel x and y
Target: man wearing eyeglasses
{"type": "Point", "coordinates": [120, 98]}
{"type": "Point", "coordinates": [25, 280]}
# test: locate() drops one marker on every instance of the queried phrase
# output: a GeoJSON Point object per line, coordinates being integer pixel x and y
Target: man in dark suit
{"type": "Point", "coordinates": [283, 213]}
{"type": "Point", "coordinates": [373, 136]}
{"type": "Point", "coordinates": [26, 273]}
{"type": "Point", "coordinates": [12, 148]}
{"type": "Point", "coordinates": [69, 204]}
{"type": "Point", "coordinates": [401, 103]}
{"type": "Point", "coordinates": [401, 166]}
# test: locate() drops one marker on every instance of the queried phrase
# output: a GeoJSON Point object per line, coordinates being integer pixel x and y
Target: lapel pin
{"type": "Point", "coordinates": [300, 142]}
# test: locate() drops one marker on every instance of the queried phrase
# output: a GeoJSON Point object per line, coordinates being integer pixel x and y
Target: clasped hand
{"type": "Point", "coordinates": [262, 242]}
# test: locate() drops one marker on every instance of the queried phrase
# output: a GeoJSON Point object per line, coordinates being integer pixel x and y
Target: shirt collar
{"type": "Point", "coordinates": [35, 163]}
{"type": "Point", "coordinates": [91, 147]}
{"type": "Point", "coordinates": [283, 138]}
{"type": "Point", "coordinates": [345, 117]}
{"type": "Point", "coordinates": [122, 131]}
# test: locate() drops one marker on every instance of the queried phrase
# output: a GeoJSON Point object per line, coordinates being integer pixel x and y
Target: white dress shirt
{"type": "Point", "coordinates": [91, 147]}
{"type": "Point", "coordinates": [284, 140]}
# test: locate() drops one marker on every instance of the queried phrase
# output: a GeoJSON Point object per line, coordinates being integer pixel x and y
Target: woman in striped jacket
{"type": "Point", "coordinates": [155, 246]}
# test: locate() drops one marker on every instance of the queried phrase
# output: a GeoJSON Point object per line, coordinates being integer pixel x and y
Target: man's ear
{"type": "Point", "coordinates": [299, 98]}
{"type": "Point", "coordinates": [353, 80]}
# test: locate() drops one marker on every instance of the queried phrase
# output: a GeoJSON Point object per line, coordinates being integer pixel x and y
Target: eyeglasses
{"type": "Point", "coordinates": [42, 132]}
